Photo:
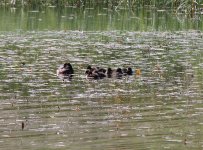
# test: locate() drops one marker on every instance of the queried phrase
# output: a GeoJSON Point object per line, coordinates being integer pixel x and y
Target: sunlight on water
{"type": "Point", "coordinates": [160, 108]}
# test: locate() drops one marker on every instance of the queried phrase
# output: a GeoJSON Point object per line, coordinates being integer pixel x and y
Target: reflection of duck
{"type": "Point", "coordinates": [65, 70]}
{"type": "Point", "coordinates": [95, 73]}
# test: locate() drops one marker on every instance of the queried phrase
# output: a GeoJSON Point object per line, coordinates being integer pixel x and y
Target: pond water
{"type": "Point", "coordinates": [102, 19]}
{"type": "Point", "coordinates": [161, 108]}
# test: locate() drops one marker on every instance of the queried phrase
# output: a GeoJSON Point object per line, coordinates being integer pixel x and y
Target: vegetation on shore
{"type": "Point", "coordinates": [185, 6]}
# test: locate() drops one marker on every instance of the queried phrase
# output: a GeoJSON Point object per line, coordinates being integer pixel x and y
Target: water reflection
{"type": "Point", "coordinates": [88, 19]}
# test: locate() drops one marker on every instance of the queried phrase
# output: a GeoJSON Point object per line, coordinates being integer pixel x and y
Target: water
{"type": "Point", "coordinates": [97, 19]}
{"type": "Point", "coordinates": [160, 109]}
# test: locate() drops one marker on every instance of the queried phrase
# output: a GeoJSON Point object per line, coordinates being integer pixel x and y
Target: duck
{"type": "Point", "coordinates": [65, 70]}
{"type": "Point", "coordinates": [130, 71]}
{"type": "Point", "coordinates": [118, 73]}
{"type": "Point", "coordinates": [109, 72]}
{"type": "Point", "coordinates": [137, 72]}
{"type": "Point", "coordinates": [127, 71]}
{"type": "Point", "coordinates": [95, 73]}
{"type": "Point", "coordinates": [90, 73]}
{"type": "Point", "coordinates": [101, 72]}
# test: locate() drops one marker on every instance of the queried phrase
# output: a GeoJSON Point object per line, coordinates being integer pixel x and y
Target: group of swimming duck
{"type": "Point", "coordinates": [95, 72]}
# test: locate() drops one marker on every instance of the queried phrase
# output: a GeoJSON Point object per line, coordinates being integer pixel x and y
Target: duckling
{"type": "Point", "coordinates": [89, 69]}
{"type": "Point", "coordinates": [137, 72]}
{"type": "Point", "coordinates": [114, 73]}
{"type": "Point", "coordinates": [109, 72]}
{"type": "Point", "coordinates": [92, 74]}
{"type": "Point", "coordinates": [119, 73]}
{"type": "Point", "coordinates": [124, 71]}
{"type": "Point", "coordinates": [101, 72]}
{"type": "Point", "coordinates": [127, 71]}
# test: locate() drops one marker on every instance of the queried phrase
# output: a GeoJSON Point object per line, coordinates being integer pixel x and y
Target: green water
{"type": "Point", "coordinates": [159, 109]}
